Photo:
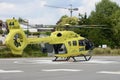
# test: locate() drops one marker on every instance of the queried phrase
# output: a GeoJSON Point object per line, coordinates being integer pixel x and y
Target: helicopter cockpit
{"type": "Point", "coordinates": [88, 44]}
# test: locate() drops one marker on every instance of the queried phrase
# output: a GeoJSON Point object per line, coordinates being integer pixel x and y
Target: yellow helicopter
{"type": "Point", "coordinates": [68, 42]}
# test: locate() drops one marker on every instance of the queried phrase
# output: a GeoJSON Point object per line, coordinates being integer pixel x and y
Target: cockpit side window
{"type": "Point", "coordinates": [69, 43]}
{"type": "Point", "coordinates": [81, 43]}
{"type": "Point", "coordinates": [74, 43]}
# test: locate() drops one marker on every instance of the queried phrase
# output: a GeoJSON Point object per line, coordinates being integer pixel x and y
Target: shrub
{"type": "Point", "coordinates": [106, 51]}
{"type": "Point", "coordinates": [33, 50]}
{"type": "Point", "coordinates": [115, 52]}
{"type": "Point", "coordinates": [29, 51]}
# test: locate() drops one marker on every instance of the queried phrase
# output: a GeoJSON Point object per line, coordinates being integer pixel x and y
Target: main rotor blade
{"type": "Point", "coordinates": [90, 26]}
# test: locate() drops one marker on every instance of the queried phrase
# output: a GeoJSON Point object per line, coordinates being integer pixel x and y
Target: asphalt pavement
{"type": "Point", "coordinates": [98, 68]}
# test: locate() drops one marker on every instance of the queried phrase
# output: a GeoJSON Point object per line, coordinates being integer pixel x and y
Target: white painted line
{"type": "Point", "coordinates": [11, 59]}
{"type": "Point", "coordinates": [10, 71]}
{"type": "Point", "coordinates": [109, 72]}
{"type": "Point", "coordinates": [53, 70]}
{"type": "Point", "coordinates": [37, 62]}
{"type": "Point", "coordinates": [101, 61]}
{"type": "Point", "coordinates": [47, 62]}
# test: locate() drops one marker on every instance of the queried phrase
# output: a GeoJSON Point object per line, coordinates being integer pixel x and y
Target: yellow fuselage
{"type": "Point", "coordinates": [67, 38]}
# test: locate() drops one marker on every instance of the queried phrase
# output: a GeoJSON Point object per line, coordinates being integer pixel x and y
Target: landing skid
{"type": "Point", "coordinates": [86, 57]}
{"type": "Point", "coordinates": [65, 59]}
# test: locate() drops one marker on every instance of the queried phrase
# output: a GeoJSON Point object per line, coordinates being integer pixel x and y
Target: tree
{"type": "Point", "coordinates": [83, 19]}
{"type": "Point", "coordinates": [102, 16]}
{"type": "Point", "coordinates": [115, 21]}
{"type": "Point", "coordinates": [103, 12]}
{"type": "Point", "coordinates": [64, 16]}
{"type": "Point", "coordinates": [66, 20]}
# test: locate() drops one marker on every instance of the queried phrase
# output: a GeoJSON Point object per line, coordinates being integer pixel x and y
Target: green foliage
{"type": "Point", "coordinates": [27, 32]}
{"type": "Point", "coordinates": [6, 53]}
{"type": "Point", "coordinates": [29, 51]}
{"type": "Point", "coordinates": [67, 20]}
{"type": "Point", "coordinates": [33, 50]}
{"type": "Point", "coordinates": [115, 21]}
{"type": "Point", "coordinates": [83, 19]}
{"type": "Point", "coordinates": [106, 13]}
{"type": "Point", "coordinates": [48, 33]}
{"type": "Point", "coordinates": [101, 51]}
{"type": "Point", "coordinates": [106, 51]}
{"type": "Point", "coordinates": [35, 33]}
{"type": "Point", "coordinates": [103, 12]}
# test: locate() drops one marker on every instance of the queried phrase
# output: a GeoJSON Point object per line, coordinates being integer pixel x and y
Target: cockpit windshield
{"type": "Point", "coordinates": [88, 44]}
